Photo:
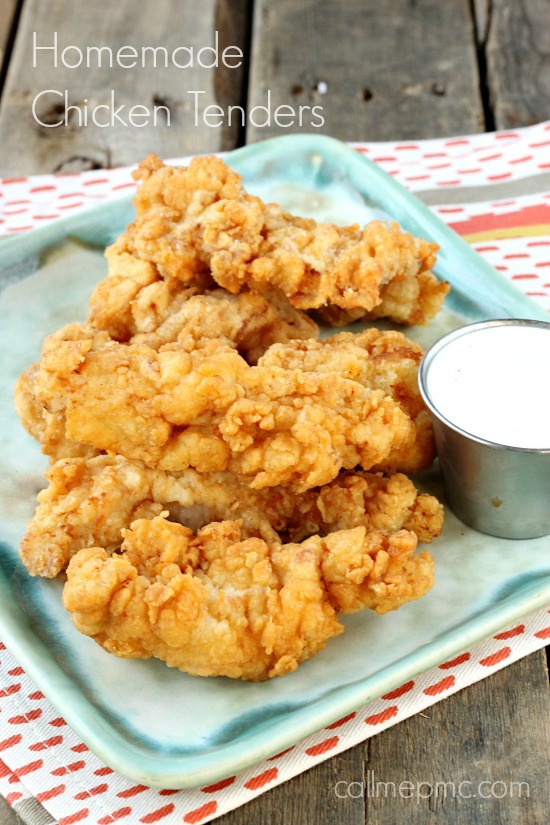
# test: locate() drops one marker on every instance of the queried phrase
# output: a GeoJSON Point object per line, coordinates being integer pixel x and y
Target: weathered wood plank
{"type": "Point", "coordinates": [8, 10]}
{"type": "Point", "coordinates": [518, 61]}
{"type": "Point", "coordinates": [482, 13]}
{"type": "Point", "coordinates": [7, 814]}
{"type": "Point", "coordinates": [380, 70]}
{"type": "Point", "coordinates": [26, 812]}
{"type": "Point", "coordinates": [496, 731]}
{"type": "Point", "coordinates": [31, 147]}
{"type": "Point", "coordinates": [309, 799]}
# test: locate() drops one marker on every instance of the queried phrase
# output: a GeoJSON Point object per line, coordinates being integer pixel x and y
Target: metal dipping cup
{"type": "Point", "coordinates": [495, 488]}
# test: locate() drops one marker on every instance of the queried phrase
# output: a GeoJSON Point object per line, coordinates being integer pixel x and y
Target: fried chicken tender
{"type": "Point", "coordinates": [412, 299]}
{"type": "Point", "coordinates": [200, 219]}
{"type": "Point", "coordinates": [115, 301]}
{"type": "Point", "coordinates": [134, 303]}
{"type": "Point", "coordinates": [89, 501]}
{"type": "Point", "coordinates": [46, 427]}
{"type": "Point", "coordinates": [223, 484]}
{"type": "Point", "coordinates": [385, 361]}
{"type": "Point", "coordinates": [210, 410]}
{"type": "Point", "coordinates": [220, 604]}
{"type": "Point", "coordinates": [371, 500]}
{"type": "Point", "coordinates": [248, 322]}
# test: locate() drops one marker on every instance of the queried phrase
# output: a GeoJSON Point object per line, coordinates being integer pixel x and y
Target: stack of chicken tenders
{"type": "Point", "coordinates": [223, 482]}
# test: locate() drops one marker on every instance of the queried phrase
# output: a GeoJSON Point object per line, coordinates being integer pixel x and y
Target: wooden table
{"type": "Point", "coordinates": [405, 69]}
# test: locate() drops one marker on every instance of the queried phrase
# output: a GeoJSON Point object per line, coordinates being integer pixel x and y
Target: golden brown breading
{"type": "Point", "coordinates": [134, 303]}
{"type": "Point", "coordinates": [81, 507]}
{"type": "Point", "coordinates": [48, 428]}
{"type": "Point", "coordinates": [89, 501]}
{"type": "Point", "coordinates": [197, 219]}
{"type": "Point", "coordinates": [412, 299]}
{"type": "Point", "coordinates": [113, 300]}
{"type": "Point", "coordinates": [385, 361]}
{"type": "Point", "coordinates": [376, 502]}
{"type": "Point", "coordinates": [217, 408]}
{"type": "Point", "coordinates": [210, 410]}
{"type": "Point", "coordinates": [248, 322]}
{"type": "Point", "coordinates": [220, 604]}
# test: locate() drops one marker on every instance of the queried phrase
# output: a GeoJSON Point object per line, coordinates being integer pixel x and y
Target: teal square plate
{"type": "Point", "coordinates": [164, 728]}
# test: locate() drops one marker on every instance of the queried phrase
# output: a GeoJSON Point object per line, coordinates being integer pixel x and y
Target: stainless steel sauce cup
{"type": "Point", "coordinates": [496, 488]}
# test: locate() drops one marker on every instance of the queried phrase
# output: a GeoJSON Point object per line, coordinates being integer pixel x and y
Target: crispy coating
{"type": "Point", "coordinates": [221, 604]}
{"type": "Point", "coordinates": [205, 495]}
{"type": "Point", "coordinates": [248, 322]}
{"type": "Point", "coordinates": [114, 303]}
{"type": "Point", "coordinates": [134, 303]}
{"type": "Point", "coordinates": [380, 361]}
{"type": "Point", "coordinates": [386, 361]}
{"type": "Point", "coordinates": [200, 219]}
{"type": "Point", "coordinates": [410, 300]}
{"type": "Point", "coordinates": [162, 314]}
{"type": "Point", "coordinates": [210, 410]}
{"type": "Point", "coordinates": [376, 502]}
{"type": "Point", "coordinates": [81, 507]}
{"type": "Point", "coordinates": [89, 501]}
{"type": "Point", "coordinates": [48, 428]}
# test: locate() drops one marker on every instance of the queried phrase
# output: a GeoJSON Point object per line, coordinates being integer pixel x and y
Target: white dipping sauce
{"type": "Point", "coordinates": [494, 383]}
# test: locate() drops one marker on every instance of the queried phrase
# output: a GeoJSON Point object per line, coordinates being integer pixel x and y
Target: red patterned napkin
{"type": "Point", "coordinates": [494, 190]}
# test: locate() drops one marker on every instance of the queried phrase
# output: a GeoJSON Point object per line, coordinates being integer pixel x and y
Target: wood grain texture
{"type": "Point", "coordinates": [309, 799]}
{"type": "Point", "coordinates": [8, 815]}
{"type": "Point", "coordinates": [497, 731]}
{"type": "Point", "coordinates": [29, 147]}
{"type": "Point", "coordinates": [518, 62]}
{"type": "Point", "coordinates": [491, 739]}
{"type": "Point", "coordinates": [482, 15]}
{"type": "Point", "coordinates": [380, 70]}
{"type": "Point", "coordinates": [8, 9]}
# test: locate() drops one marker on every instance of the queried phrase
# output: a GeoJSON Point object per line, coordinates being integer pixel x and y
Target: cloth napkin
{"type": "Point", "coordinates": [494, 190]}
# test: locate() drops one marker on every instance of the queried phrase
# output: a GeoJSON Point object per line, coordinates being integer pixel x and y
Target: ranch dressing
{"type": "Point", "coordinates": [494, 383]}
